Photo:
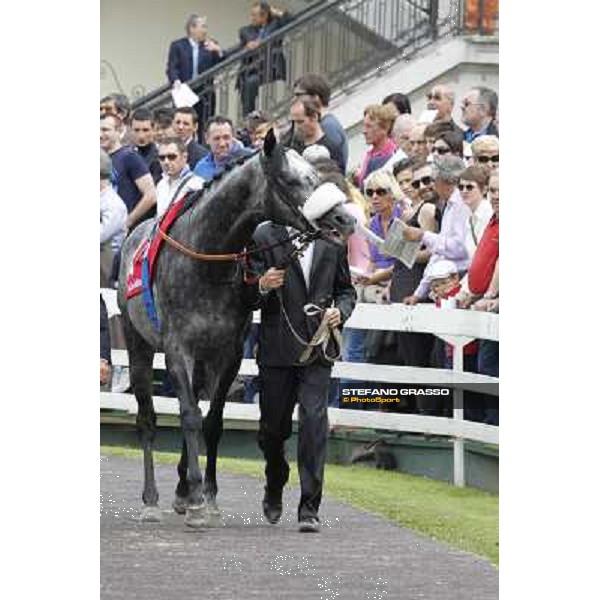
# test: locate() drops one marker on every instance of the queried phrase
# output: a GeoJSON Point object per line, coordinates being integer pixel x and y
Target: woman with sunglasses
{"type": "Point", "coordinates": [448, 142]}
{"type": "Point", "coordinates": [486, 152]}
{"type": "Point", "coordinates": [414, 349]}
{"type": "Point", "coordinates": [387, 203]}
{"type": "Point", "coordinates": [473, 189]}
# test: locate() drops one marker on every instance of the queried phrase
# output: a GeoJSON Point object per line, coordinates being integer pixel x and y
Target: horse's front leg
{"type": "Point", "coordinates": [212, 428]}
{"type": "Point", "coordinates": [180, 367]}
{"type": "Point", "coordinates": [182, 491]}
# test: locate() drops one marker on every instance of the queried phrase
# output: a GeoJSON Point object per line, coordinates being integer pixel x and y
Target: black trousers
{"type": "Point", "coordinates": [249, 91]}
{"type": "Point", "coordinates": [281, 388]}
{"type": "Point", "coordinates": [205, 109]}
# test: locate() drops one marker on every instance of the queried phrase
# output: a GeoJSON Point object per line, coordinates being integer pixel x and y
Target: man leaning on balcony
{"type": "Point", "coordinates": [191, 56]}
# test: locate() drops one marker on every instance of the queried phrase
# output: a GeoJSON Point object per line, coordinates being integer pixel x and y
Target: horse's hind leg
{"type": "Point", "coordinates": [141, 356]}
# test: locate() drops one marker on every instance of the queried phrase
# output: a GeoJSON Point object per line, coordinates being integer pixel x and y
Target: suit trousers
{"type": "Point", "coordinates": [281, 388]}
{"type": "Point", "coordinates": [249, 92]}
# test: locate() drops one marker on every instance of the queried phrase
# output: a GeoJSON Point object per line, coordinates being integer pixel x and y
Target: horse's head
{"type": "Point", "coordinates": [291, 182]}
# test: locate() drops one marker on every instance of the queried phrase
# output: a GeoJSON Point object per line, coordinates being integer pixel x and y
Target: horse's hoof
{"type": "Point", "coordinates": [179, 505]}
{"type": "Point", "coordinates": [213, 514]}
{"type": "Point", "coordinates": [151, 514]}
{"type": "Point", "coordinates": [195, 516]}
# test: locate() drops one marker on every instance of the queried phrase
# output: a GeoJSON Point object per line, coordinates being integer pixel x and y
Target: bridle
{"type": "Point", "coordinates": [303, 238]}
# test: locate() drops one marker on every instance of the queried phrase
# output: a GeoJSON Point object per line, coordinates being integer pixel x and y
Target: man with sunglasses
{"type": "Point", "coordinates": [449, 243]}
{"type": "Point", "coordinates": [479, 108]}
{"type": "Point", "coordinates": [177, 176]}
{"type": "Point", "coordinates": [441, 99]}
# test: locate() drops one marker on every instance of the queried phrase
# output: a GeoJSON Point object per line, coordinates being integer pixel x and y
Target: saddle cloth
{"type": "Point", "coordinates": [141, 271]}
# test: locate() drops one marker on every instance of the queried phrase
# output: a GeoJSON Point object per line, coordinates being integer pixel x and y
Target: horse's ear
{"type": "Point", "coordinates": [270, 143]}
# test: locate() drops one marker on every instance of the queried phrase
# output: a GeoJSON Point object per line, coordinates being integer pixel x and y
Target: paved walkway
{"type": "Point", "coordinates": [356, 555]}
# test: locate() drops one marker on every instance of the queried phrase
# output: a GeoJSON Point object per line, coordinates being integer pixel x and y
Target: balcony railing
{"type": "Point", "coordinates": [342, 40]}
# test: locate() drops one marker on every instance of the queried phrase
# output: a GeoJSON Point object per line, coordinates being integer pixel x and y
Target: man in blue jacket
{"type": "Point", "coordinates": [189, 57]}
{"type": "Point", "coordinates": [224, 148]}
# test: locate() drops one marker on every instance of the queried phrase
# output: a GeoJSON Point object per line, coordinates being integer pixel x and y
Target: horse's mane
{"type": "Point", "coordinates": [220, 178]}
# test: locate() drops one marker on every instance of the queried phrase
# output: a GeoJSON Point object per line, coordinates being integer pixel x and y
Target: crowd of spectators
{"type": "Point", "coordinates": [440, 178]}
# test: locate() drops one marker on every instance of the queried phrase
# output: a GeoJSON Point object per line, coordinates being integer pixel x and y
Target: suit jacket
{"type": "Point", "coordinates": [256, 63]}
{"type": "Point", "coordinates": [329, 285]}
{"type": "Point", "coordinates": [180, 61]}
{"type": "Point", "coordinates": [195, 152]}
{"type": "Point", "coordinates": [491, 129]}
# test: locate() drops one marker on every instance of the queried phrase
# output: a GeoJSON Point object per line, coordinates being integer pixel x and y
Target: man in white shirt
{"type": "Point", "coordinates": [320, 277]}
{"type": "Point", "coordinates": [177, 176]}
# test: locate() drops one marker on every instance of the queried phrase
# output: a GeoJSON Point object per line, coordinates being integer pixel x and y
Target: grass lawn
{"type": "Point", "coordinates": [464, 518]}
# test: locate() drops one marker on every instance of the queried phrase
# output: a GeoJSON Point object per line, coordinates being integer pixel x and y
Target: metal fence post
{"type": "Point", "coordinates": [434, 10]}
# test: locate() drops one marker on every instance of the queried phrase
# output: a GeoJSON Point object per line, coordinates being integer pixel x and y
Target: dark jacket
{"type": "Point", "coordinates": [491, 129]}
{"type": "Point", "coordinates": [330, 285]}
{"type": "Point", "coordinates": [256, 63]}
{"type": "Point", "coordinates": [195, 152]}
{"type": "Point", "coordinates": [180, 61]}
{"type": "Point", "coordinates": [150, 155]}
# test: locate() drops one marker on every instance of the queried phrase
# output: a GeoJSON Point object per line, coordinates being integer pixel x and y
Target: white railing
{"type": "Point", "coordinates": [457, 327]}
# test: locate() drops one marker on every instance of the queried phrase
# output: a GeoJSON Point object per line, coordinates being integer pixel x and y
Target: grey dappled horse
{"type": "Point", "coordinates": [202, 313]}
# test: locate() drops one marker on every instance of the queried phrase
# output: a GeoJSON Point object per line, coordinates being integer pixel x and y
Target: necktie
{"type": "Point", "coordinates": [195, 52]}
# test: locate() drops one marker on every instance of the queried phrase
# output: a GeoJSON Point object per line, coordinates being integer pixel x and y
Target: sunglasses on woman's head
{"type": "Point", "coordinates": [424, 180]}
{"type": "Point", "coordinates": [378, 192]}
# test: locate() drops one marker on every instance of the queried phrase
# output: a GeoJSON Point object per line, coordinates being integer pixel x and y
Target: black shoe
{"type": "Point", "coordinates": [272, 506]}
{"type": "Point", "coordinates": [309, 525]}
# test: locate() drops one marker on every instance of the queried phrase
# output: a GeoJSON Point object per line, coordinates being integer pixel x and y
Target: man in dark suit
{"type": "Point", "coordinates": [265, 64]}
{"type": "Point", "coordinates": [189, 57]}
{"type": "Point", "coordinates": [185, 126]}
{"type": "Point", "coordinates": [320, 277]}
